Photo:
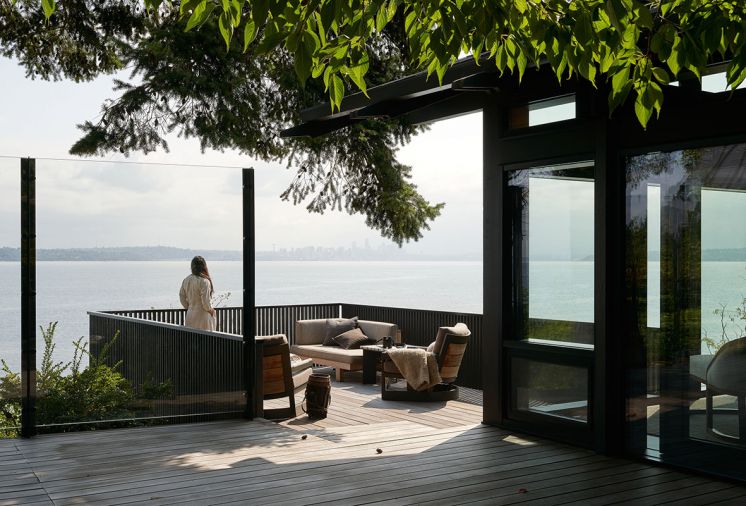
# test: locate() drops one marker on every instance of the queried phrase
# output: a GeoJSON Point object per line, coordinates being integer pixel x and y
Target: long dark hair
{"type": "Point", "coordinates": [199, 268]}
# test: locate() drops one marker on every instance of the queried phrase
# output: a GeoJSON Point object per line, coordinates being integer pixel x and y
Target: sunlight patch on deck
{"type": "Point", "coordinates": [516, 440]}
{"type": "Point", "coordinates": [329, 444]}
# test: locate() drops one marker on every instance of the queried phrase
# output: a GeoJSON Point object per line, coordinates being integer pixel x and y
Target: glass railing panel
{"type": "Point", "coordinates": [117, 236]}
{"type": "Point", "coordinates": [10, 296]}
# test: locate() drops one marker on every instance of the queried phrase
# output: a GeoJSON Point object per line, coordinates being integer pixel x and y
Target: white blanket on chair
{"type": "Point", "coordinates": [419, 367]}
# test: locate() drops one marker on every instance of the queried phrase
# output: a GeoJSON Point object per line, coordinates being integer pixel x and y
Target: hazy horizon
{"type": "Point", "coordinates": [186, 198]}
{"type": "Point", "coordinates": [88, 204]}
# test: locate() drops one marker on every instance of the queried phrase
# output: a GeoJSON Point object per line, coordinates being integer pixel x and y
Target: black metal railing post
{"type": "Point", "coordinates": [249, 301]}
{"type": "Point", "coordinates": [28, 297]}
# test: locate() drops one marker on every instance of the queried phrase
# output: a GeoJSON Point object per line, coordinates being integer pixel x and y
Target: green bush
{"type": "Point", "coordinates": [10, 405]}
{"type": "Point", "coordinates": [68, 392]}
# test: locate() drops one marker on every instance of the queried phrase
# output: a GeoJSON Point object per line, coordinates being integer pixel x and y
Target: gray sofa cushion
{"type": "Point", "coordinates": [310, 331]}
{"type": "Point", "coordinates": [314, 331]}
{"type": "Point", "coordinates": [331, 354]}
{"type": "Point", "coordinates": [377, 330]}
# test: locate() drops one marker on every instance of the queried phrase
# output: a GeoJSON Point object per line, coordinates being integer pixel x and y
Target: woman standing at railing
{"type": "Point", "coordinates": [196, 291]}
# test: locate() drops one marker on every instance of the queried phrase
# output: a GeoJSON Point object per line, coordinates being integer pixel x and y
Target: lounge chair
{"type": "Point", "coordinates": [449, 348]}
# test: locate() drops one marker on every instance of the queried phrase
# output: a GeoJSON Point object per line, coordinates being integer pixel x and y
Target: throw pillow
{"type": "Point", "coordinates": [337, 326]}
{"type": "Point", "coordinates": [351, 340]}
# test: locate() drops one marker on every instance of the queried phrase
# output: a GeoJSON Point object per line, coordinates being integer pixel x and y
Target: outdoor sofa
{"type": "Point", "coordinates": [311, 334]}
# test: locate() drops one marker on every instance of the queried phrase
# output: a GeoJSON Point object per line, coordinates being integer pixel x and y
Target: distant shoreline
{"type": "Point", "coordinates": [307, 254]}
{"type": "Point", "coordinates": [169, 254]}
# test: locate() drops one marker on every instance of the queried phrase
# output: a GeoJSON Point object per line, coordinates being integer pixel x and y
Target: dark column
{"type": "Point", "coordinates": [28, 297]}
{"type": "Point", "coordinates": [492, 299]}
{"type": "Point", "coordinates": [249, 302]}
{"type": "Point", "coordinates": [607, 388]}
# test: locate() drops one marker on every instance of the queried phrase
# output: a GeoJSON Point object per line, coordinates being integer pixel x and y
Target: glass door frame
{"type": "Point", "coordinates": [680, 448]}
{"type": "Point", "coordinates": [560, 354]}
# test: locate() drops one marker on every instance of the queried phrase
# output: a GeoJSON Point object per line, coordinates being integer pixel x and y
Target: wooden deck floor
{"type": "Point", "coordinates": [430, 454]}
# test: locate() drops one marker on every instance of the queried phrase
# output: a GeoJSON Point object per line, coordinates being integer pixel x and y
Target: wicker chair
{"type": "Point", "coordinates": [449, 348]}
{"type": "Point", "coordinates": [279, 374]}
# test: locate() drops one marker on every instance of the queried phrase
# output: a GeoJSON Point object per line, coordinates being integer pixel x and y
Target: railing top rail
{"type": "Point", "coordinates": [221, 335]}
{"type": "Point", "coordinates": [151, 310]}
{"type": "Point", "coordinates": [280, 306]}
{"type": "Point", "coordinates": [430, 311]}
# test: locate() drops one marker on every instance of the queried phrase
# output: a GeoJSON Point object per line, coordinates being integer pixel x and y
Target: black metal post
{"type": "Point", "coordinates": [249, 301]}
{"type": "Point", "coordinates": [28, 297]}
{"type": "Point", "coordinates": [493, 268]}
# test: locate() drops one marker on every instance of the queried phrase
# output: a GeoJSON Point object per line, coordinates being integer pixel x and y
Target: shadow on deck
{"type": "Point", "coordinates": [435, 453]}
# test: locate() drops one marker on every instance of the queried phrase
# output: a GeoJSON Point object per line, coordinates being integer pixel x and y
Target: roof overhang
{"type": "Point", "coordinates": [418, 98]}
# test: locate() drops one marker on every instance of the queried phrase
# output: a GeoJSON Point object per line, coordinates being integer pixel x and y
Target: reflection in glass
{"type": "Point", "coordinates": [553, 293]}
{"type": "Point", "coordinates": [542, 112]}
{"type": "Point", "coordinates": [550, 389]}
{"type": "Point", "coordinates": [686, 281]}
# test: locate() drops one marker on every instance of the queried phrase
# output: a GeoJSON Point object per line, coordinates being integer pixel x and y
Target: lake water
{"type": "Point", "coordinates": [67, 290]}
{"type": "Point", "coordinates": [560, 290]}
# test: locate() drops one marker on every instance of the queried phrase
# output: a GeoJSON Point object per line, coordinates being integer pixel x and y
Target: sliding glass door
{"type": "Point", "coordinates": [686, 300]}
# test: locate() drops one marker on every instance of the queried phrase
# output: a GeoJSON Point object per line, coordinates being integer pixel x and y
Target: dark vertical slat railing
{"type": "Point", "coordinates": [203, 367]}
{"type": "Point", "coordinates": [270, 319]}
{"type": "Point", "coordinates": [419, 327]}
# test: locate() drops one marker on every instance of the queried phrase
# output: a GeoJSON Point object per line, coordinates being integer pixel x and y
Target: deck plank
{"type": "Point", "coordinates": [430, 453]}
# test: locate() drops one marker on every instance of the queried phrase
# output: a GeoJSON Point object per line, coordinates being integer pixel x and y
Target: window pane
{"type": "Point", "coordinates": [10, 295]}
{"type": "Point", "coordinates": [553, 243]}
{"type": "Point", "coordinates": [542, 112]}
{"type": "Point", "coordinates": [550, 389]}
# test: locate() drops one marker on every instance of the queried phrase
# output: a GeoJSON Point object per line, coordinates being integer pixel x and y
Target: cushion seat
{"type": "Point", "coordinates": [297, 363]}
{"type": "Point", "coordinates": [301, 378]}
{"type": "Point", "coordinates": [331, 353]}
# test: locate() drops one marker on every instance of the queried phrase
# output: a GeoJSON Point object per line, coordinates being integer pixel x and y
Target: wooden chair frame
{"type": "Point", "coordinates": [449, 361]}
{"type": "Point", "coordinates": [272, 370]}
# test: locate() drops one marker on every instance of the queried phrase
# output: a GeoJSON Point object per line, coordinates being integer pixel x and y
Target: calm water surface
{"type": "Point", "coordinates": [67, 290]}
{"type": "Point", "coordinates": [558, 290]}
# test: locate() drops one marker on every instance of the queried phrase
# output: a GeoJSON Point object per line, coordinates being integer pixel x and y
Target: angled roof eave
{"type": "Point", "coordinates": [407, 92]}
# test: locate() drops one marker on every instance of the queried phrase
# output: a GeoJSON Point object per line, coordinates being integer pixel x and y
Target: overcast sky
{"type": "Point", "coordinates": [112, 204]}
{"type": "Point", "coordinates": [107, 203]}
